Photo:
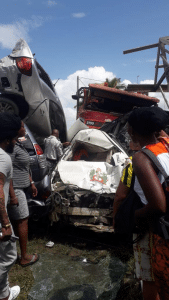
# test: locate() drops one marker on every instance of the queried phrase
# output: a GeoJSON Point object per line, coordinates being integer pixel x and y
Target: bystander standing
{"type": "Point", "coordinates": [9, 126]}
{"type": "Point", "coordinates": [22, 182]}
{"type": "Point", "coordinates": [53, 149]}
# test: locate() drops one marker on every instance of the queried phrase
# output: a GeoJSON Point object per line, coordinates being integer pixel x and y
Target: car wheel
{"type": "Point", "coordinates": [7, 105]}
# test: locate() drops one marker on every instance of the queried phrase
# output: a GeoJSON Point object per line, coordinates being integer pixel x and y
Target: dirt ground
{"type": "Point", "coordinates": [75, 242]}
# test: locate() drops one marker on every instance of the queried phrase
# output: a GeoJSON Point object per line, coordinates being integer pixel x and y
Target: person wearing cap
{"type": "Point", "coordinates": [9, 126]}
{"type": "Point", "coordinates": [143, 125]}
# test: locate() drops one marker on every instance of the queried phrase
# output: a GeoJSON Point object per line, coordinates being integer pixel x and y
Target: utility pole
{"type": "Point", "coordinates": [77, 96]}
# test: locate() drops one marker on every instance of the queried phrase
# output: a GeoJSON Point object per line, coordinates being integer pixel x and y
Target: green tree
{"type": "Point", "coordinates": [115, 83]}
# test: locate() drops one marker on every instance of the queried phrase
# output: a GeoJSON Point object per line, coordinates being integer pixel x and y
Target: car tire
{"type": "Point", "coordinates": [14, 104]}
{"type": "Point", "coordinates": [7, 105]}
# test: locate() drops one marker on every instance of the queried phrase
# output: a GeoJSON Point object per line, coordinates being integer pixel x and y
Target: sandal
{"type": "Point", "coordinates": [32, 261]}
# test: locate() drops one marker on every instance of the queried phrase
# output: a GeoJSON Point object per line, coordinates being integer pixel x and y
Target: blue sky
{"type": "Point", "coordinates": [86, 38]}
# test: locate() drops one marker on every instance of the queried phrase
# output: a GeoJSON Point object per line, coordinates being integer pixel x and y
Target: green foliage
{"type": "Point", "coordinates": [115, 83]}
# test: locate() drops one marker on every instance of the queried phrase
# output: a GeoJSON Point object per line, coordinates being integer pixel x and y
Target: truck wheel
{"type": "Point", "coordinates": [7, 105]}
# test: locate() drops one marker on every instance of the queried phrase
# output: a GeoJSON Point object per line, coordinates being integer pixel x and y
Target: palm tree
{"type": "Point", "coordinates": [115, 83]}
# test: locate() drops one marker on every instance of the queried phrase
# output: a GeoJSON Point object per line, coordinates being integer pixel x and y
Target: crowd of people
{"type": "Point", "coordinates": [16, 184]}
{"type": "Point", "coordinates": [151, 251]}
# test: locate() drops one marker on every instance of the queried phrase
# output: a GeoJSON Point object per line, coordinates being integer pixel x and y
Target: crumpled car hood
{"type": "Point", "coordinates": [98, 174]}
{"type": "Point", "coordinates": [98, 177]}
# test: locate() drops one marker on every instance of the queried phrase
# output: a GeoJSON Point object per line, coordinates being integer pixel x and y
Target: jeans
{"type": "Point", "coordinates": [8, 256]}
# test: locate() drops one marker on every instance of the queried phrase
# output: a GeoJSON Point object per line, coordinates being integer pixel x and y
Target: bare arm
{"type": "Point", "coordinates": [6, 232]}
{"type": "Point", "coordinates": [152, 188]}
{"type": "Point", "coordinates": [121, 194]}
{"type": "Point", "coordinates": [59, 150]}
{"type": "Point", "coordinates": [33, 187]}
{"type": "Point", "coordinates": [66, 144]}
{"type": "Point", "coordinates": [13, 198]}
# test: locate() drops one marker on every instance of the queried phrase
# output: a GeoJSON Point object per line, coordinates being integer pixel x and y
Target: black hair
{"type": "Point", "coordinates": [147, 120]}
{"type": "Point", "coordinates": [9, 125]}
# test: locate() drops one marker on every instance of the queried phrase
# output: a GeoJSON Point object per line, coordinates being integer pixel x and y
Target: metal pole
{"type": "Point", "coordinates": [157, 65]}
{"type": "Point", "coordinates": [165, 99]}
{"type": "Point", "coordinates": [165, 63]}
{"type": "Point", "coordinates": [140, 48]}
{"type": "Point", "coordinates": [77, 96]}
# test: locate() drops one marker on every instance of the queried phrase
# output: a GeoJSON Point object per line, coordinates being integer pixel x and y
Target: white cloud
{"type": "Point", "coordinates": [70, 115]}
{"type": "Point", "coordinates": [147, 81]}
{"type": "Point", "coordinates": [126, 82]}
{"type": "Point", "coordinates": [10, 33]}
{"type": "Point", "coordinates": [79, 15]}
{"type": "Point", "coordinates": [52, 3]}
{"type": "Point", "coordinates": [68, 87]}
{"type": "Point", "coordinates": [162, 102]}
{"type": "Point", "coordinates": [159, 96]}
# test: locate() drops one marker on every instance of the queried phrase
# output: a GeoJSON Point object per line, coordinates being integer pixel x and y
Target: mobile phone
{"type": "Point", "coordinates": [14, 238]}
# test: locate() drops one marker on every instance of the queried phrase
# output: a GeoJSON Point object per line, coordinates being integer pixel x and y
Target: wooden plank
{"type": "Point", "coordinates": [156, 66]}
{"type": "Point", "coordinates": [160, 66]}
{"type": "Point", "coordinates": [166, 51]}
{"type": "Point", "coordinates": [164, 40]}
{"type": "Point", "coordinates": [145, 88]}
{"type": "Point", "coordinates": [165, 74]}
{"type": "Point", "coordinates": [141, 48]}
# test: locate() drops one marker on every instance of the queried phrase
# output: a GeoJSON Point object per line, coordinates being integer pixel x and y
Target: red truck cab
{"type": "Point", "coordinates": [98, 104]}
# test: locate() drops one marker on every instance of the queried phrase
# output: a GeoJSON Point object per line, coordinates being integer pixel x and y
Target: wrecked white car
{"type": "Point", "coordinates": [86, 179]}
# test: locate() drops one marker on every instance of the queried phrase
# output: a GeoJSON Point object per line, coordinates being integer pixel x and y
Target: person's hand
{"type": "Point", "coordinates": [34, 190]}
{"type": "Point", "coordinates": [14, 201]}
{"type": "Point", "coordinates": [5, 234]}
{"type": "Point", "coordinates": [66, 144]}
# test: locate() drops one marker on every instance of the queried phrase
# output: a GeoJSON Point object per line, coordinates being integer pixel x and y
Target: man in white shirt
{"type": "Point", "coordinates": [53, 147]}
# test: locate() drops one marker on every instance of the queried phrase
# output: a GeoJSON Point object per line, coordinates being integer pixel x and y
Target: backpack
{"type": "Point", "coordinates": [161, 223]}
{"type": "Point", "coordinates": [124, 218]}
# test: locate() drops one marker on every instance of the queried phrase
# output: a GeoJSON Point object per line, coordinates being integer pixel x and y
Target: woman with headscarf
{"type": "Point", "coordinates": [143, 124]}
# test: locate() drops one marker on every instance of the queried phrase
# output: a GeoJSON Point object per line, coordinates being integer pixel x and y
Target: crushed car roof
{"type": "Point", "coordinates": [97, 138]}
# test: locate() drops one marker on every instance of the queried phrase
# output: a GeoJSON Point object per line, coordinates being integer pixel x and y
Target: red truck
{"type": "Point", "coordinates": [98, 104]}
